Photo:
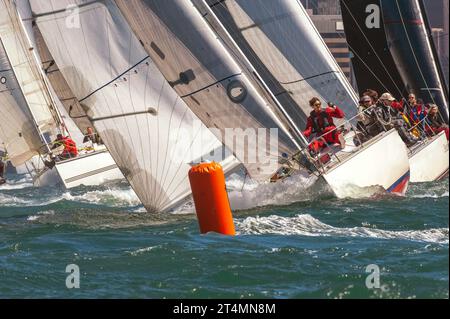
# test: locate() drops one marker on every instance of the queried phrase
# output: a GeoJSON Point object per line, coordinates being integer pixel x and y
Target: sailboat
{"type": "Point", "coordinates": [186, 37]}
{"type": "Point", "coordinates": [150, 132]}
{"type": "Point", "coordinates": [398, 58]}
{"type": "Point", "coordinates": [91, 167]}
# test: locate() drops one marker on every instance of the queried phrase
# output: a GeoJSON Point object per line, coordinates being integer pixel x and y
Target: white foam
{"type": "Point", "coordinates": [7, 200]}
{"type": "Point", "coordinates": [109, 197]}
{"type": "Point", "coordinates": [143, 250]}
{"type": "Point", "coordinates": [249, 194]}
{"type": "Point", "coordinates": [25, 182]}
{"type": "Point", "coordinates": [306, 225]}
{"type": "Point", "coordinates": [40, 214]}
{"type": "Point", "coordinates": [430, 195]}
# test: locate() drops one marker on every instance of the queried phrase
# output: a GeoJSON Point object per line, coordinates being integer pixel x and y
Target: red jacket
{"type": "Point", "coordinates": [318, 122]}
{"type": "Point", "coordinates": [397, 106]}
{"type": "Point", "coordinates": [70, 147]}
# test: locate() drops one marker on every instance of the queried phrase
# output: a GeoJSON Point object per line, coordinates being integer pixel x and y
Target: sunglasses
{"type": "Point", "coordinates": [317, 104]}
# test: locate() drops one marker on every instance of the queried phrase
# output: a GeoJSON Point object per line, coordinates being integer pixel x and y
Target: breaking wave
{"type": "Point", "coordinates": [246, 194]}
{"type": "Point", "coordinates": [22, 183]}
{"type": "Point", "coordinates": [430, 195]}
{"type": "Point", "coordinates": [306, 225]}
{"type": "Point", "coordinates": [109, 197]}
{"type": "Point", "coordinates": [7, 200]}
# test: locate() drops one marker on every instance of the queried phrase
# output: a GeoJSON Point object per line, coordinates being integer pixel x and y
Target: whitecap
{"type": "Point", "coordinates": [306, 225]}
{"type": "Point", "coordinates": [246, 194]}
{"type": "Point", "coordinates": [109, 197]}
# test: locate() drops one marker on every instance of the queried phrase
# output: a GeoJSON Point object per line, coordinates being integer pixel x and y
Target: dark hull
{"type": "Point", "coordinates": [373, 64]}
{"type": "Point", "coordinates": [411, 48]}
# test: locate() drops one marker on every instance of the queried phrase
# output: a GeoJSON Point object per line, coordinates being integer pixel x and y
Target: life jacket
{"type": "Point", "coordinates": [317, 128]}
{"type": "Point", "coordinates": [414, 131]}
{"type": "Point", "coordinates": [70, 146]}
{"type": "Point", "coordinates": [417, 113]}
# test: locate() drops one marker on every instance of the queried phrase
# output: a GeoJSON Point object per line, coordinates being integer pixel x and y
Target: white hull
{"type": "Point", "coordinates": [430, 161]}
{"type": "Point", "coordinates": [88, 169]}
{"type": "Point", "coordinates": [383, 162]}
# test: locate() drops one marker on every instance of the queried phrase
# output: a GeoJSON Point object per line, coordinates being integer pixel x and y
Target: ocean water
{"type": "Point", "coordinates": [290, 243]}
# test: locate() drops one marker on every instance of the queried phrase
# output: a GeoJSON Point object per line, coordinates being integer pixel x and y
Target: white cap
{"type": "Point", "coordinates": [387, 97]}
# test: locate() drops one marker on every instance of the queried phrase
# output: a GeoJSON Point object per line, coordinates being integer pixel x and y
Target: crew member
{"type": "Point", "coordinates": [320, 122]}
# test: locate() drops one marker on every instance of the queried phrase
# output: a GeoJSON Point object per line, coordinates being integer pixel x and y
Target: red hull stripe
{"type": "Point", "coordinates": [400, 185]}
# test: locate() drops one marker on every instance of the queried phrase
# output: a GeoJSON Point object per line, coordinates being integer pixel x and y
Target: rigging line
{"type": "Point", "coordinates": [243, 62]}
{"type": "Point", "coordinates": [116, 78]}
{"type": "Point", "coordinates": [336, 64]}
{"type": "Point", "coordinates": [298, 111]}
{"type": "Point", "coordinates": [374, 51]}
{"type": "Point", "coordinates": [414, 54]}
{"type": "Point", "coordinates": [366, 65]}
{"type": "Point", "coordinates": [310, 77]}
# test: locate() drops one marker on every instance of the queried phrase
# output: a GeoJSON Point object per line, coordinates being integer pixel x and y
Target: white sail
{"type": "Point", "coordinates": [25, 68]}
{"type": "Point", "coordinates": [18, 135]}
{"type": "Point", "coordinates": [150, 132]}
{"type": "Point", "coordinates": [208, 78]}
{"type": "Point", "coordinates": [65, 102]}
{"type": "Point", "coordinates": [282, 43]}
{"type": "Point", "coordinates": [74, 110]}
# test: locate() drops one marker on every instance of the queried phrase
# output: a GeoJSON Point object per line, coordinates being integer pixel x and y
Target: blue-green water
{"type": "Point", "coordinates": [309, 249]}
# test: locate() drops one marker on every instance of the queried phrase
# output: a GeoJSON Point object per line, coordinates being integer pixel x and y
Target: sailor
{"type": "Point", "coordinates": [417, 112]}
{"type": "Point", "coordinates": [389, 114]}
{"type": "Point", "coordinates": [320, 122]}
{"type": "Point", "coordinates": [365, 118]}
{"type": "Point", "coordinates": [434, 121]}
{"type": "Point", "coordinates": [372, 94]}
{"type": "Point", "coordinates": [70, 148]}
{"type": "Point", "coordinates": [92, 137]}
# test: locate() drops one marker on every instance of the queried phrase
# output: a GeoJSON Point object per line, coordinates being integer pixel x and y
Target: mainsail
{"type": "Point", "coordinates": [150, 132]}
{"type": "Point", "coordinates": [207, 77]}
{"type": "Point", "coordinates": [18, 134]}
{"type": "Point", "coordinates": [410, 44]}
{"type": "Point", "coordinates": [372, 62]}
{"type": "Point", "coordinates": [282, 43]}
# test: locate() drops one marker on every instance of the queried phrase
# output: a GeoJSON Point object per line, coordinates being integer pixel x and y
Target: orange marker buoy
{"type": "Point", "coordinates": [211, 199]}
